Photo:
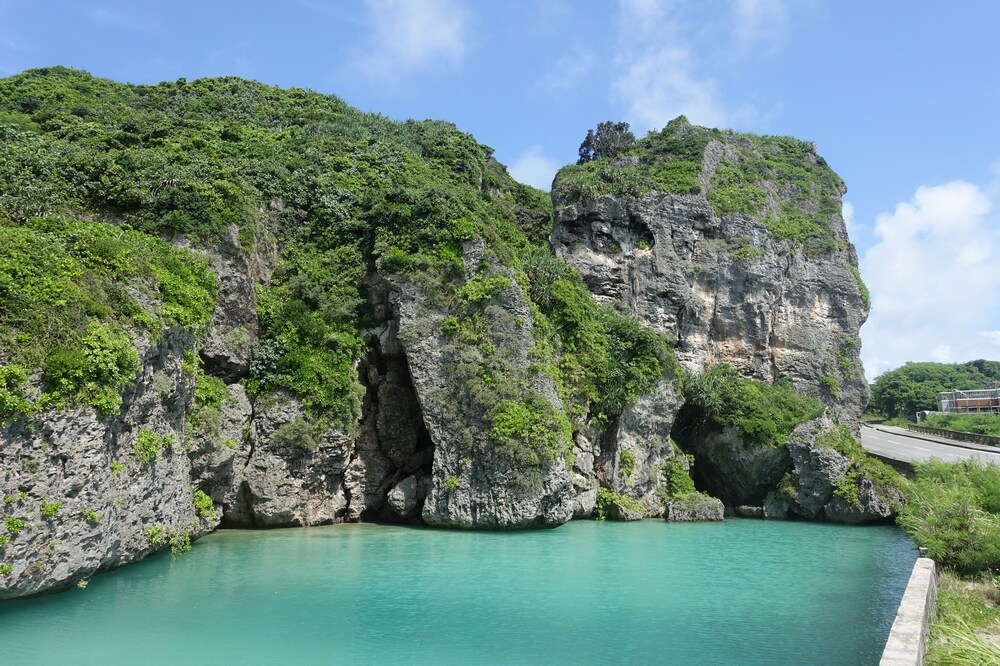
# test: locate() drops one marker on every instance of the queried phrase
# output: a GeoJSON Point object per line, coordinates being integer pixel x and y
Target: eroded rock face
{"type": "Point", "coordinates": [635, 449]}
{"type": "Point", "coordinates": [725, 288]}
{"type": "Point", "coordinates": [817, 472]}
{"type": "Point", "coordinates": [86, 501]}
{"type": "Point", "coordinates": [472, 484]}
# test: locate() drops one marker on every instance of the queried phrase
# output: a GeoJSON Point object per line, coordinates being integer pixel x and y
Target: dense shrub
{"type": "Point", "coordinates": [953, 510]}
{"type": "Point", "coordinates": [765, 414]}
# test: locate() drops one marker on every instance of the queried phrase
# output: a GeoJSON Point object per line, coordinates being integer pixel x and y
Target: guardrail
{"type": "Point", "coordinates": [973, 437]}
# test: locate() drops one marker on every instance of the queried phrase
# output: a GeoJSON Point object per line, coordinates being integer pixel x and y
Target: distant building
{"type": "Point", "coordinates": [979, 401]}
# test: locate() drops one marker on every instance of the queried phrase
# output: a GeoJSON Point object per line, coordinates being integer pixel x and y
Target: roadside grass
{"type": "Point", "coordinates": [967, 627]}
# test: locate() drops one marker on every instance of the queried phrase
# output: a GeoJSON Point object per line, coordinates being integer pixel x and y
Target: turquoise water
{"type": "Point", "coordinates": [740, 592]}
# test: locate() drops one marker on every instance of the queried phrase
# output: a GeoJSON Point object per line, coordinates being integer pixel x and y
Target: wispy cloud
{"type": "Point", "coordinates": [934, 275]}
{"type": "Point", "coordinates": [661, 84]}
{"type": "Point", "coordinates": [760, 24]}
{"type": "Point", "coordinates": [534, 168]}
{"type": "Point", "coordinates": [659, 74]}
{"type": "Point", "coordinates": [414, 35]}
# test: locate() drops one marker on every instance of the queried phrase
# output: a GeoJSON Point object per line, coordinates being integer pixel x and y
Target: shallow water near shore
{"type": "Point", "coordinates": [744, 591]}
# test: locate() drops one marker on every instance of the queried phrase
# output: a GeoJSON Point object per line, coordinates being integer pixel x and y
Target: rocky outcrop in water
{"type": "Point", "coordinates": [476, 384]}
{"type": "Point", "coordinates": [81, 495]}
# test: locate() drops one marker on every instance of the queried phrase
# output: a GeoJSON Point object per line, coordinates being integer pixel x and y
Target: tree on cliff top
{"type": "Point", "coordinates": [610, 140]}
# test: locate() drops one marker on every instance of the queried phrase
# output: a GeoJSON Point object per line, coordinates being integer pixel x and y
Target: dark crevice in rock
{"type": "Point", "coordinates": [395, 450]}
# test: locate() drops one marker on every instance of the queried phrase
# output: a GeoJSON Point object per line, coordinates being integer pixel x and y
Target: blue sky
{"type": "Point", "coordinates": [901, 96]}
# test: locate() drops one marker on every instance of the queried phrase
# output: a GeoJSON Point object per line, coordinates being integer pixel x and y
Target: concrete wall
{"type": "Point", "coordinates": [908, 637]}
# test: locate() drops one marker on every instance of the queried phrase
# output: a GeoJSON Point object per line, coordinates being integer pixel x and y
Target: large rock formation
{"type": "Point", "coordinates": [477, 384]}
{"type": "Point", "coordinates": [725, 289]}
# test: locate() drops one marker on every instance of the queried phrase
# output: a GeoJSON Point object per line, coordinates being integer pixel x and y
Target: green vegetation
{"type": "Point", "coordinates": [148, 445]}
{"type": "Point", "coordinates": [782, 182]}
{"type": "Point", "coordinates": [953, 510]}
{"type": "Point", "coordinates": [91, 516]}
{"type": "Point", "coordinates": [15, 525]}
{"type": "Point", "coordinates": [982, 424]}
{"type": "Point", "coordinates": [203, 504]}
{"type": "Point", "coordinates": [831, 385]}
{"type": "Point", "coordinates": [14, 499]}
{"type": "Point", "coordinates": [296, 433]}
{"type": "Point", "coordinates": [866, 297]}
{"type": "Point", "coordinates": [451, 484]}
{"type": "Point", "coordinates": [336, 195]}
{"type": "Point", "coordinates": [179, 540]}
{"type": "Point", "coordinates": [679, 482]}
{"type": "Point", "coordinates": [50, 509]}
{"type": "Point", "coordinates": [6, 569]}
{"type": "Point", "coordinates": [4, 540]}
{"type": "Point", "coordinates": [66, 307]}
{"type": "Point", "coordinates": [887, 481]}
{"type": "Point", "coordinates": [765, 414]}
{"type": "Point", "coordinates": [626, 463]}
{"type": "Point", "coordinates": [967, 622]}
{"type": "Point", "coordinates": [606, 497]}
{"type": "Point", "coordinates": [610, 140]}
{"type": "Point", "coordinates": [210, 394]}
{"type": "Point", "coordinates": [117, 467]}
{"type": "Point", "coordinates": [666, 161]}
{"type": "Point", "coordinates": [914, 387]}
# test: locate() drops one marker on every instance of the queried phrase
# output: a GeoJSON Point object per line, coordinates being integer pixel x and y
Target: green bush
{"type": "Point", "coordinates": [765, 414]}
{"type": "Point", "coordinates": [203, 505]}
{"type": "Point", "coordinates": [607, 497]}
{"type": "Point", "coordinates": [887, 481]}
{"type": "Point", "coordinates": [50, 509]}
{"type": "Point", "coordinates": [15, 525]}
{"type": "Point", "coordinates": [982, 424]}
{"type": "Point", "coordinates": [91, 516]}
{"type": "Point", "coordinates": [679, 482]}
{"type": "Point", "coordinates": [626, 463]}
{"type": "Point", "coordinates": [148, 445]}
{"type": "Point", "coordinates": [953, 510]}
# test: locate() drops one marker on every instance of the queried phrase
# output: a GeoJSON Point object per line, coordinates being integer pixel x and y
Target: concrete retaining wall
{"type": "Point", "coordinates": [908, 637]}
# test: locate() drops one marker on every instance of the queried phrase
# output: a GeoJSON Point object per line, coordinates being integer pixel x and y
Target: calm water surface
{"type": "Point", "coordinates": [741, 592]}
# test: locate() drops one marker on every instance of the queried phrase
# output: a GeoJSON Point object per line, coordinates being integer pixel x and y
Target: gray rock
{"type": "Point", "coordinates": [404, 498]}
{"type": "Point", "coordinates": [87, 501]}
{"type": "Point", "coordinates": [473, 483]}
{"type": "Point", "coordinates": [735, 472]}
{"type": "Point", "coordinates": [619, 512]}
{"type": "Point", "coordinates": [773, 314]}
{"type": "Point", "coordinates": [749, 511]}
{"type": "Point", "coordinates": [641, 437]}
{"type": "Point", "coordinates": [695, 507]}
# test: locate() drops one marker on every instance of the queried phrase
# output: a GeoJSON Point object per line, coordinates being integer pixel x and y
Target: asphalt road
{"type": "Point", "coordinates": [903, 447]}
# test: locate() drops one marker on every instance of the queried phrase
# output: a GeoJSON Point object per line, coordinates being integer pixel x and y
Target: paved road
{"type": "Point", "coordinates": [903, 447]}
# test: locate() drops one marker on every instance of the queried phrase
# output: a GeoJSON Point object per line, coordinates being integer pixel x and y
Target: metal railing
{"type": "Point", "coordinates": [973, 437]}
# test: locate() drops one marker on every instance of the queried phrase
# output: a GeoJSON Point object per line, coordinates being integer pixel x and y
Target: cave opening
{"type": "Point", "coordinates": [395, 446]}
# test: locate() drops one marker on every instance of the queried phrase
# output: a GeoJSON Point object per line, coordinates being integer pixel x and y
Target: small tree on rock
{"type": "Point", "coordinates": [610, 140]}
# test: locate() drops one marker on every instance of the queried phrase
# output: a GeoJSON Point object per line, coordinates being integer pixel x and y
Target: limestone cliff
{"type": "Point", "coordinates": [328, 316]}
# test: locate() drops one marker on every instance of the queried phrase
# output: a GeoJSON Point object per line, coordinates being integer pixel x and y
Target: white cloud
{"type": "Point", "coordinates": [760, 23]}
{"type": "Point", "coordinates": [660, 85]}
{"type": "Point", "coordinates": [534, 168]}
{"type": "Point", "coordinates": [659, 74]}
{"type": "Point", "coordinates": [934, 276]}
{"type": "Point", "coordinates": [853, 229]}
{"type": "Point", "coordinates": [413, 35]}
